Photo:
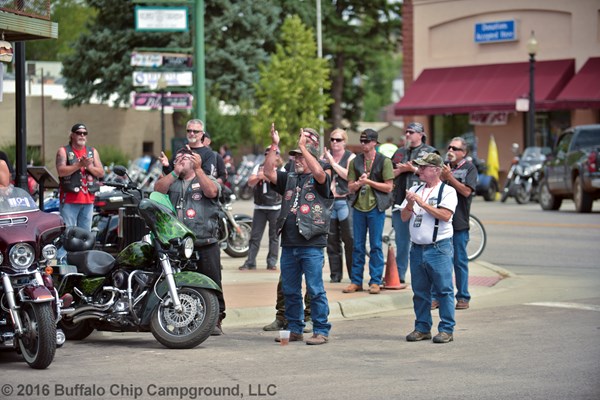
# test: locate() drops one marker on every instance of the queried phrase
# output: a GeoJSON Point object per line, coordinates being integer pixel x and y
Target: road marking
{"type": "Point", "coordinates": [542, 224]}
{"type": "Point", "coordinates": [578, 306]}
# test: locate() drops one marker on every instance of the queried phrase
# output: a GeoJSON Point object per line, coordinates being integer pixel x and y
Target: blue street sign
{"type": "Point", "coordinates": [498, 31]}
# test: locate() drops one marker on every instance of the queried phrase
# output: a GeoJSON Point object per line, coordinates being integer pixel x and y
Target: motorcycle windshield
{"type": "Point", "coordinates": [163, 222]}
{"type": "Point", "coordinates": [16, 200]}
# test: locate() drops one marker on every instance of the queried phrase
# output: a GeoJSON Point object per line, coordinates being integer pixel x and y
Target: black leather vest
{"type": "Point", "coordinates": [384, 200]}
{"type": "Point", "coordinates": [341, 185]}
{"type": "Point", "coordinates": [268, 198]}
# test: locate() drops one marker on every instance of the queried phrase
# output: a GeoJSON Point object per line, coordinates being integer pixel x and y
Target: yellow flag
{"type": "Point", "coordinates": [493, 162]}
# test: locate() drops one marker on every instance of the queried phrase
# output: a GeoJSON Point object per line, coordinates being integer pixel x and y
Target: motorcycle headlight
{"type": "Point", "coordinates": [21, 256]}
{"type": "Point", "coordinates": [49, 252]}
{"type": "Point", "coordinates": [187, 247]}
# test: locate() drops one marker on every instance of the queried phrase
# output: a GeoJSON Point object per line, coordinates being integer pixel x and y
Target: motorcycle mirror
{"type": "Point", "coordinates": [120, 170]}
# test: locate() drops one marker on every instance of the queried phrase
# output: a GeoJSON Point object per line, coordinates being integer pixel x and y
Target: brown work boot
{"type": "Point", "coordinates": [317, 339]}
{"type": "Point", "coordinates": [435, 304]}
{"type": "Point", "coordinates": [374, 289]}
{"type": "Point", "coordinates": [462, 304]}
{"type": "Point", "coordinates": [416, 336]}
{"type": "Point", "coordinates": [351, 288]}
{"type": "Point", "coordinates": [443, 337]}
{"type": "Point", "coordinates": [294, 337]}
{"type": "Point", "coordinates": [276, 325]}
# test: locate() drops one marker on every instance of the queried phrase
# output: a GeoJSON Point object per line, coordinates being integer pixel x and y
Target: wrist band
{"type": "Point", "coordinates": [174, 175]}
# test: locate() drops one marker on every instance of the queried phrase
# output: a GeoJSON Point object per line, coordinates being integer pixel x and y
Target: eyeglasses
{"type": "Point", "coordinates": [194, 131]}
{"type": "Point", "coordinates": [365, 141]}
{"type": "Point", "coordinates": [455, 148]}
{"type": "Point", "coordinates": [337, 140]}
{"type": "Point", "coordinates": [81, 133]}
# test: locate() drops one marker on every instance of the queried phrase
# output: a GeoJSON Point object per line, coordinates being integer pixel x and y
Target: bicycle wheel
{"type": "Point", "coordinates": [477, 238]}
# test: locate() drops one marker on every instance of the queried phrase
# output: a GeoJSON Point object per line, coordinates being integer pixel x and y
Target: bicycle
{"type": "Point", "coordinates": [477, 237]}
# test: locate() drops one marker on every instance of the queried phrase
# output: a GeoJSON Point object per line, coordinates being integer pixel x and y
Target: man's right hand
{"type": "Point", "coordinates": [274, 135]}
{"type": "Point", "coordinates": [164, 159]}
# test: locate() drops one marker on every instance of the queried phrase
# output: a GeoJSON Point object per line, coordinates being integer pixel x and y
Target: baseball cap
{"type": "Point", "coordinates": [416, 127]}
{"type": "Point", "coordinates": [77, 127]}
{"type": "Point", "coordinates": [312, 149]}
{"type": "Point", "coordinates": [313, 135]}
{"type": "Point", "coordinates": [430, 159]}
{"type": "Point", "coordinates": [370, 135]}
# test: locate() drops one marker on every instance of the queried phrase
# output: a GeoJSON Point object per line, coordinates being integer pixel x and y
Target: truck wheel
{"type": "Point", "coordinates": [547, 200]}
{"type": "Point", "coordinates": [583, 200]}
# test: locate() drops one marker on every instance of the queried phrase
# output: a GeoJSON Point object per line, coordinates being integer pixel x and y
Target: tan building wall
{"type": "Point", "coordinates": [123, 128]}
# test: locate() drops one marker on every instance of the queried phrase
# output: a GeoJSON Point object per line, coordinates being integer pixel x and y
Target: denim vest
{"type": "Point", "coordinates": [313, 211]}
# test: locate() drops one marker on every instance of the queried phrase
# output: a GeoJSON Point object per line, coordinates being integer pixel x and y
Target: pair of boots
{"type": "Point", "coordinates": [280, 324]}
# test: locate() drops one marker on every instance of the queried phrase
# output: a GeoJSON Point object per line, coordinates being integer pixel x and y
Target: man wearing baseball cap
{"type": "Point", "coordinates": [428, 208]}
{"type": "Point", "coordinates": [406, 177]}
{"type": "Point", "coordinates": [79, 168]}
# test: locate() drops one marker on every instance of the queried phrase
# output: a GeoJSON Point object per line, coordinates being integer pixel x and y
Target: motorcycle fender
{"type": "Point", "coordinates": [36, 294]}
{"type": "Point", "coordinates": [182, 279]}
{"type": "Point", "coordinates": [242, 218]}
{"type": "Point", "coordinates": [484, 181]}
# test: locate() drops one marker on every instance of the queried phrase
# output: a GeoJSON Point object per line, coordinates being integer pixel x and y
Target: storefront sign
{"type": "Point", "coordinates": [499, 31]}
{"type": "Point", "coordinates": [488, 118]}
{"type": "Point", "coordinates": [172, 19]}
{"type": "Point", "coordinates": [150, 79]}
{"type": "Point", "coordinates": [153, 60]}
{"type": "Point", "coordinates": [177, 101]}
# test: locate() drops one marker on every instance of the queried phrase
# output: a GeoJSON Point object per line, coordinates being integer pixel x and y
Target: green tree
{"type": "Point", "coordinates": [378, 86]}
{"type": "Point", "coordinates": [289, 87]}
{"type": "Point", "coordinates": [71, 16]}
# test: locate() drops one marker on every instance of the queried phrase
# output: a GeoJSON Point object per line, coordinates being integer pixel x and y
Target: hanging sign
{"type": "Point", "coordinates": [153, 60]}
{"type": "Point", "coordinates": [177, 101]}
{"type": "Point", "coordinates": [150, 79]}
{"type": "Point", "coordinates": [488, 118]}
{"type": "Point", "coordinates": [152, 19]}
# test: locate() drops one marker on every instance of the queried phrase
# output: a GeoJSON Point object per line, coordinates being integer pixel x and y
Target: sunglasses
{"type": "Point", "coordinates": [365, 141]}
{"type": "Point", "coordinates": [195, 132]}
{"type": "Point", "coordinates": [410, 132]}
{"type": "Point", "coordinates": [337, 140]}
{"type": "Point", "coordinates": [455, 148]}
{"type": "Point", "coordinates": [81, 133]}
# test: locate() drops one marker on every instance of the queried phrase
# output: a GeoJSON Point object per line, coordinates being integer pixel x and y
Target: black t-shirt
{"type": "Point", "coordinates": [465, 173]}
{"type": "Point", "coordinates": [290, 237]}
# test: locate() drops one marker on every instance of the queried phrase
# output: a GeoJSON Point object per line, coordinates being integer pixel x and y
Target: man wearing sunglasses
{"type": "Point", "coordinates": [461, 174]}
{"type": "Point", "coordinates": [405, 174]}
{"type": "Point", "coordinates": [79, 168]}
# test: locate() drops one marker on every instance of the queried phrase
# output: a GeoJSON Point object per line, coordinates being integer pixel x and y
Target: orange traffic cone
{"type": "Point", "coordinates": [392, 280]}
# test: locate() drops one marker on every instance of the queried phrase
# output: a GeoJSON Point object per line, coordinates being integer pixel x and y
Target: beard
{"type": "Point", "coordinates": [299, 168]}
{"type": "Point", "coordinates": [192, 140]}
{"type": "Point", "coordinates": [450, 157]}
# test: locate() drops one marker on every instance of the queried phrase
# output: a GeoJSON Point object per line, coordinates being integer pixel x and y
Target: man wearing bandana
{"type": "Point", "coordinates": [194, 195]}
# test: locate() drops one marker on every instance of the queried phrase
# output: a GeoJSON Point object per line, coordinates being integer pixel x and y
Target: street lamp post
{"type": "Point", "coordinates": [161, 85]}
{"type": "Point", "coordinates": [532, 45]}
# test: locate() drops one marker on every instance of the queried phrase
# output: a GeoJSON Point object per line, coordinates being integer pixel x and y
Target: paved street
{"type": "Point", "coordinates": [534, 335]}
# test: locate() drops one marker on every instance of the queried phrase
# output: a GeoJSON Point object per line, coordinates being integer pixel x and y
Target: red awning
{"type": "Point", "coordinates": [496, 87]}
{"type": "Point", "coordinates": [583, 91]}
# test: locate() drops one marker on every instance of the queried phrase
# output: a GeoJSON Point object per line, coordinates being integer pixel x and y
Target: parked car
{"type": "Point", "coordinates": [572, 170]}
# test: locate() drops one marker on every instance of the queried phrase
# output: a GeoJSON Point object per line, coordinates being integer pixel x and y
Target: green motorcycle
{"type": "Point", "coordinates": [144, 288]}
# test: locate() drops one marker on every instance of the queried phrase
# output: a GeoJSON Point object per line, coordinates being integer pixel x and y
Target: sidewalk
{"type": "Point", "coordinates": [250, 295]}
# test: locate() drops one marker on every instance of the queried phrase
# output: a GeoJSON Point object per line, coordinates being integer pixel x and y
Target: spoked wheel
{"type": "Point", "coordinates": [522, 195]}
{"type": "Point", "coordinates": [38, 342]}
{"type": "Point", "coordinates": [477, 238]}
{"type": "Point", "coordinates": [238, 243]}
{"type": "Point", "coordinates": [190, 327]}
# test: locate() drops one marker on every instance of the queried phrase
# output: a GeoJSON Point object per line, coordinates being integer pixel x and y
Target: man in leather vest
{"type": "Point", "coordinates": [405, 178]}
{"type": "Point", "coordinates": [303, 224]}
{"type": "Point", "coordinates": [194, 195]}
{"type": "Point", "coordinates": [79, 168]}
{"type": "Point", "coordinates": [370, 176]}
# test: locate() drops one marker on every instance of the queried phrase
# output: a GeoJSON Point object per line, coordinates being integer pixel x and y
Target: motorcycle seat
{"type": "Point", "coordinates": [78, 239]}
{"type": "Point", "coordinates": [92, 262]}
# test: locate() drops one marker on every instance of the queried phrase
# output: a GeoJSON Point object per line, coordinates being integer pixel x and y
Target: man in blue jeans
{"type": "Point", "coordinates": [370, 176]}
{"type": "Point", "coordinates": [461, 174]}
{"type": "Point", "coordinates": [303, 224]}
{"type": "Point", "coordinates": [429, 208]}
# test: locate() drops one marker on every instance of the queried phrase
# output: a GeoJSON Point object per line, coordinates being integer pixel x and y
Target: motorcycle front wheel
{"type": "Point", "coordinates": [192, 326]}
{"type": "Point", "coordinates": [38, 342]}
{"type": "Point", "coordinates": [522, 195]}
{"type": "Point", "coordinates": [238, 244]}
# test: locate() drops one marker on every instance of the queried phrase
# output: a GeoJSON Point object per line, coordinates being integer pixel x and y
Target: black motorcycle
{"type": "Point", "coordinates": [234, 229]}
{"type": "Point", "coordinates": [29, 303]}
{"type": "Point", "coordinates": [524, 176]}
{"type": "Point", "coordinates": [146, 287]}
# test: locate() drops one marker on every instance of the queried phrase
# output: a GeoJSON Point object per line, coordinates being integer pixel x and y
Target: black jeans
{"type": "Point", "coordinates": [208, 262]}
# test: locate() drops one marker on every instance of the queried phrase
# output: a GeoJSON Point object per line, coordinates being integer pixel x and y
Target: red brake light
{"type": "Point", "coordinates": [592, 161]}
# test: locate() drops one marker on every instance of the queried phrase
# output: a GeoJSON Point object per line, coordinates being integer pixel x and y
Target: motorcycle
{"type": "Point", "coordinates": [240, 182]}
{"type": "Point", "coordinates": [148, 286]}
{"type": "Point", "coordinates": [234, 229]}
{"type": "Point", "coordinates": [29, 302]}
{"type": "Point", "coordinates": [524, 175]}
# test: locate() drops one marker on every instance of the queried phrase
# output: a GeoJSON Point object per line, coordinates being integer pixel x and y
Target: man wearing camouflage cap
{"type": "Point", "coordinates": [406, 177]}
{"type": "Point", "coordinates": [303, 224]}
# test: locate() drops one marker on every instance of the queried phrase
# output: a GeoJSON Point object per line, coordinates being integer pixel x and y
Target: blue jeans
{"type": "Point", "coordinates": [294, 262]}
{"type": "Point", "coordinates": [461, 264]}
{"type": "Point", "coordinates": [372, 221]}
{"type": "Point", "coordinates": [75, 215]}
{"type": "Point", "coordinates": [402, 233]}
{"type": "Point", "coordinates": [431, 272]}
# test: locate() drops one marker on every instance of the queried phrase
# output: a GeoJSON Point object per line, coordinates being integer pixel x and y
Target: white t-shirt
{"type": "Point", "coordinates": [423, 233]}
